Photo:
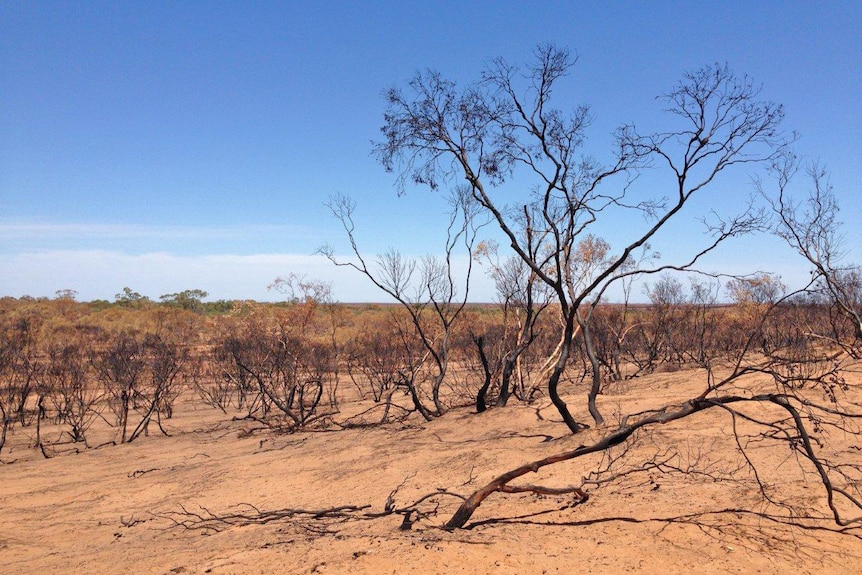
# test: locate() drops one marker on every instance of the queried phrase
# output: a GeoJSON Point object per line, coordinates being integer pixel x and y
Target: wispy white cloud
{"type": "Point", "coordinates": [43, 231]}
{"type": "Point", "coordinates": [138, 239]}
{"type": "Point", "coordinates": [230, 262]}
{"type": "Point", "coordinates": [100, 274]}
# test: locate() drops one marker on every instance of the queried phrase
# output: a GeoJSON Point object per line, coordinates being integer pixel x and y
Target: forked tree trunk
{"type": "Point", "coordinates": [595, 387]}
{"type": "Point", "coordinates": [414, 395]}
{"type": "Point", "coordinates": [506, 381]}
{"type": "Point", "coordinates": [483, 391]}
{"type": "Point", "coordinates": [554, 380]}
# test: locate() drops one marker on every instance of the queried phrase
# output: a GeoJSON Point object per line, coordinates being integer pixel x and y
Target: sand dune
{"type": "Point", "coordinates": [118, 509]}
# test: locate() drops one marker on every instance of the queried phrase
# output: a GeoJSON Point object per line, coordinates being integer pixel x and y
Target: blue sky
{"type": "Point", "coordinates": [191, 145]}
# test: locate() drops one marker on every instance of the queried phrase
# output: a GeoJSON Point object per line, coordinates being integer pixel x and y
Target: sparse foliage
{"type": "Point", "coordinates": [426, 289]}
{"type": "Point", "coordinates": [776, 368]}
{"type": "Point", "coordinates": [504, 128]}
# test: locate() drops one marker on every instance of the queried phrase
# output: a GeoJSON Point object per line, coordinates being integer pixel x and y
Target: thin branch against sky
{"type": "Point", "coordinates": [165, 123]}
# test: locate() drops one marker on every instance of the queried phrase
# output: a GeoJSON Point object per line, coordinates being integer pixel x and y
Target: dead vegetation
{"type": "Point", "coordinates": [681, 418]}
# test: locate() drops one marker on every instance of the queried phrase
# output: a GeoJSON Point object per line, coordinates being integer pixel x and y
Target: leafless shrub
{"type": "Point", "coordinates": [211, 383]}
{"type": "Point", "coordinates": [425, 289]}
{"type": "Point", "coordinates": [19, 368]}
{"type": "Point", "coordinates": [119, 367]}
{"type": "Point", "coordinates": [73, 394]}
{"type": "Point", "coordinates": [289, 373]}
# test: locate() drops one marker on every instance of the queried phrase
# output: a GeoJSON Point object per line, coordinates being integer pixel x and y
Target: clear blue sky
{"type": "Point", "coordinates": [178, 145]}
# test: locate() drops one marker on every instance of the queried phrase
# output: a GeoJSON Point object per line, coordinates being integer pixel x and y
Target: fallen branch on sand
{"type": "Point", "coordinates": [315, 520]}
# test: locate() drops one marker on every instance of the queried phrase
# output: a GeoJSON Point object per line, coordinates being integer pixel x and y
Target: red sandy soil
{"type": "Point", "coordinates": [115, 509]}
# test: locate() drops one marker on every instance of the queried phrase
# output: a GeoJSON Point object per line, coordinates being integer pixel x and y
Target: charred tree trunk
{"type": "Point", "coordinates": [595, 366]}
{"type": "Point", "coordinates": [506, 380]}
{"type": "Point", "coordinates": [501, 483]}
{"type": "Point", "coordinates": [483, 391]}
{"type": "Point", "coordinates": [554, 381]}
